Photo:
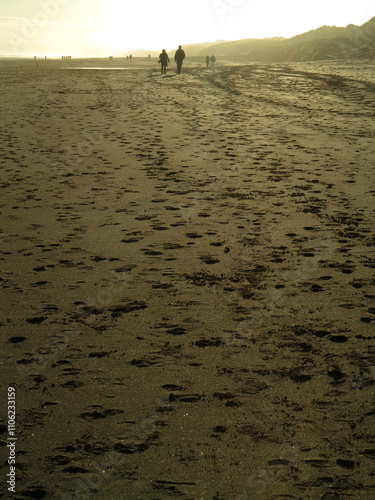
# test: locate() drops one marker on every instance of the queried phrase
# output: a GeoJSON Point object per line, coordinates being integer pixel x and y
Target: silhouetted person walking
{"type": "Point", "coordinates": [213, 61]}
{"type": "Point", "coordinates": [207, 61]}
{"type": "Point", "coordinates": [179, 57]}
{"type": "Point", "coordinates": [164, 60]}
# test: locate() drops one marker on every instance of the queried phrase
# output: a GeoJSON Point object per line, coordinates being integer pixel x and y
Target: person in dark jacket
{"type": "Point", "coordinates": [179, 57]}
{"type": "Point", "coordinates": [207, 61]}
{"type": "Point", "coordinates": [164, 60]}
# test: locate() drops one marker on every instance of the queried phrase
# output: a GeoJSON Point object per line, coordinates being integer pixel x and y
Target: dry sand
{"type": "Point", "coordinates": [188, 290]}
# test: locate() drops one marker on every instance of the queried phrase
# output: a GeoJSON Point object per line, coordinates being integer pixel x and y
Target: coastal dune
{"type": "Point", "coordinates": [188, 288]}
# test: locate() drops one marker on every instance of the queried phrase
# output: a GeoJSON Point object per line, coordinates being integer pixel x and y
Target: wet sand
{"type": "Point", "coordinates": [188, 288]}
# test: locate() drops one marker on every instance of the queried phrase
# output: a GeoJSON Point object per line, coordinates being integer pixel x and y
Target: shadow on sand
{"type": "Point", "coordinates": [157, 75]}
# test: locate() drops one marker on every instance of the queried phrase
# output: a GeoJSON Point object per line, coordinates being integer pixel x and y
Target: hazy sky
{"type": "Point", "coordinates": [78, 27]}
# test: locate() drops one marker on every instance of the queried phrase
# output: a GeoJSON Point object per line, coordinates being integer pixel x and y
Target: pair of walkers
{"type": "Point", "coordinates": [164, 60]}
{"type": "Point", "coordinates": [211, 60]}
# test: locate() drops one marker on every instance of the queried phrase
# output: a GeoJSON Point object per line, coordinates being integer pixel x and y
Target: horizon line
{"type": "Point", "coordinates": [126, 51]}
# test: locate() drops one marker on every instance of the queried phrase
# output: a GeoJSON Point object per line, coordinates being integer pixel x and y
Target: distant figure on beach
{"type": "Point", "coordinates": [130, 57]}
{"type": "Point", "coordinates": [179, 57]}
{"type": "Point", "coordinates": [164, 60]}
{"type": "Point", "coordinates": [213, 61]}
{"type": "Point", "coordinates": [127, 58]}
{"type": "Point", "coordinates": [149, 57]}
{"type": "Point", "coordinates": [207, 61]}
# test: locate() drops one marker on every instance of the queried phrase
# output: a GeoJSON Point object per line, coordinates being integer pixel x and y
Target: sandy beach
{"type": "Point", "coordinates": [188, 279]}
